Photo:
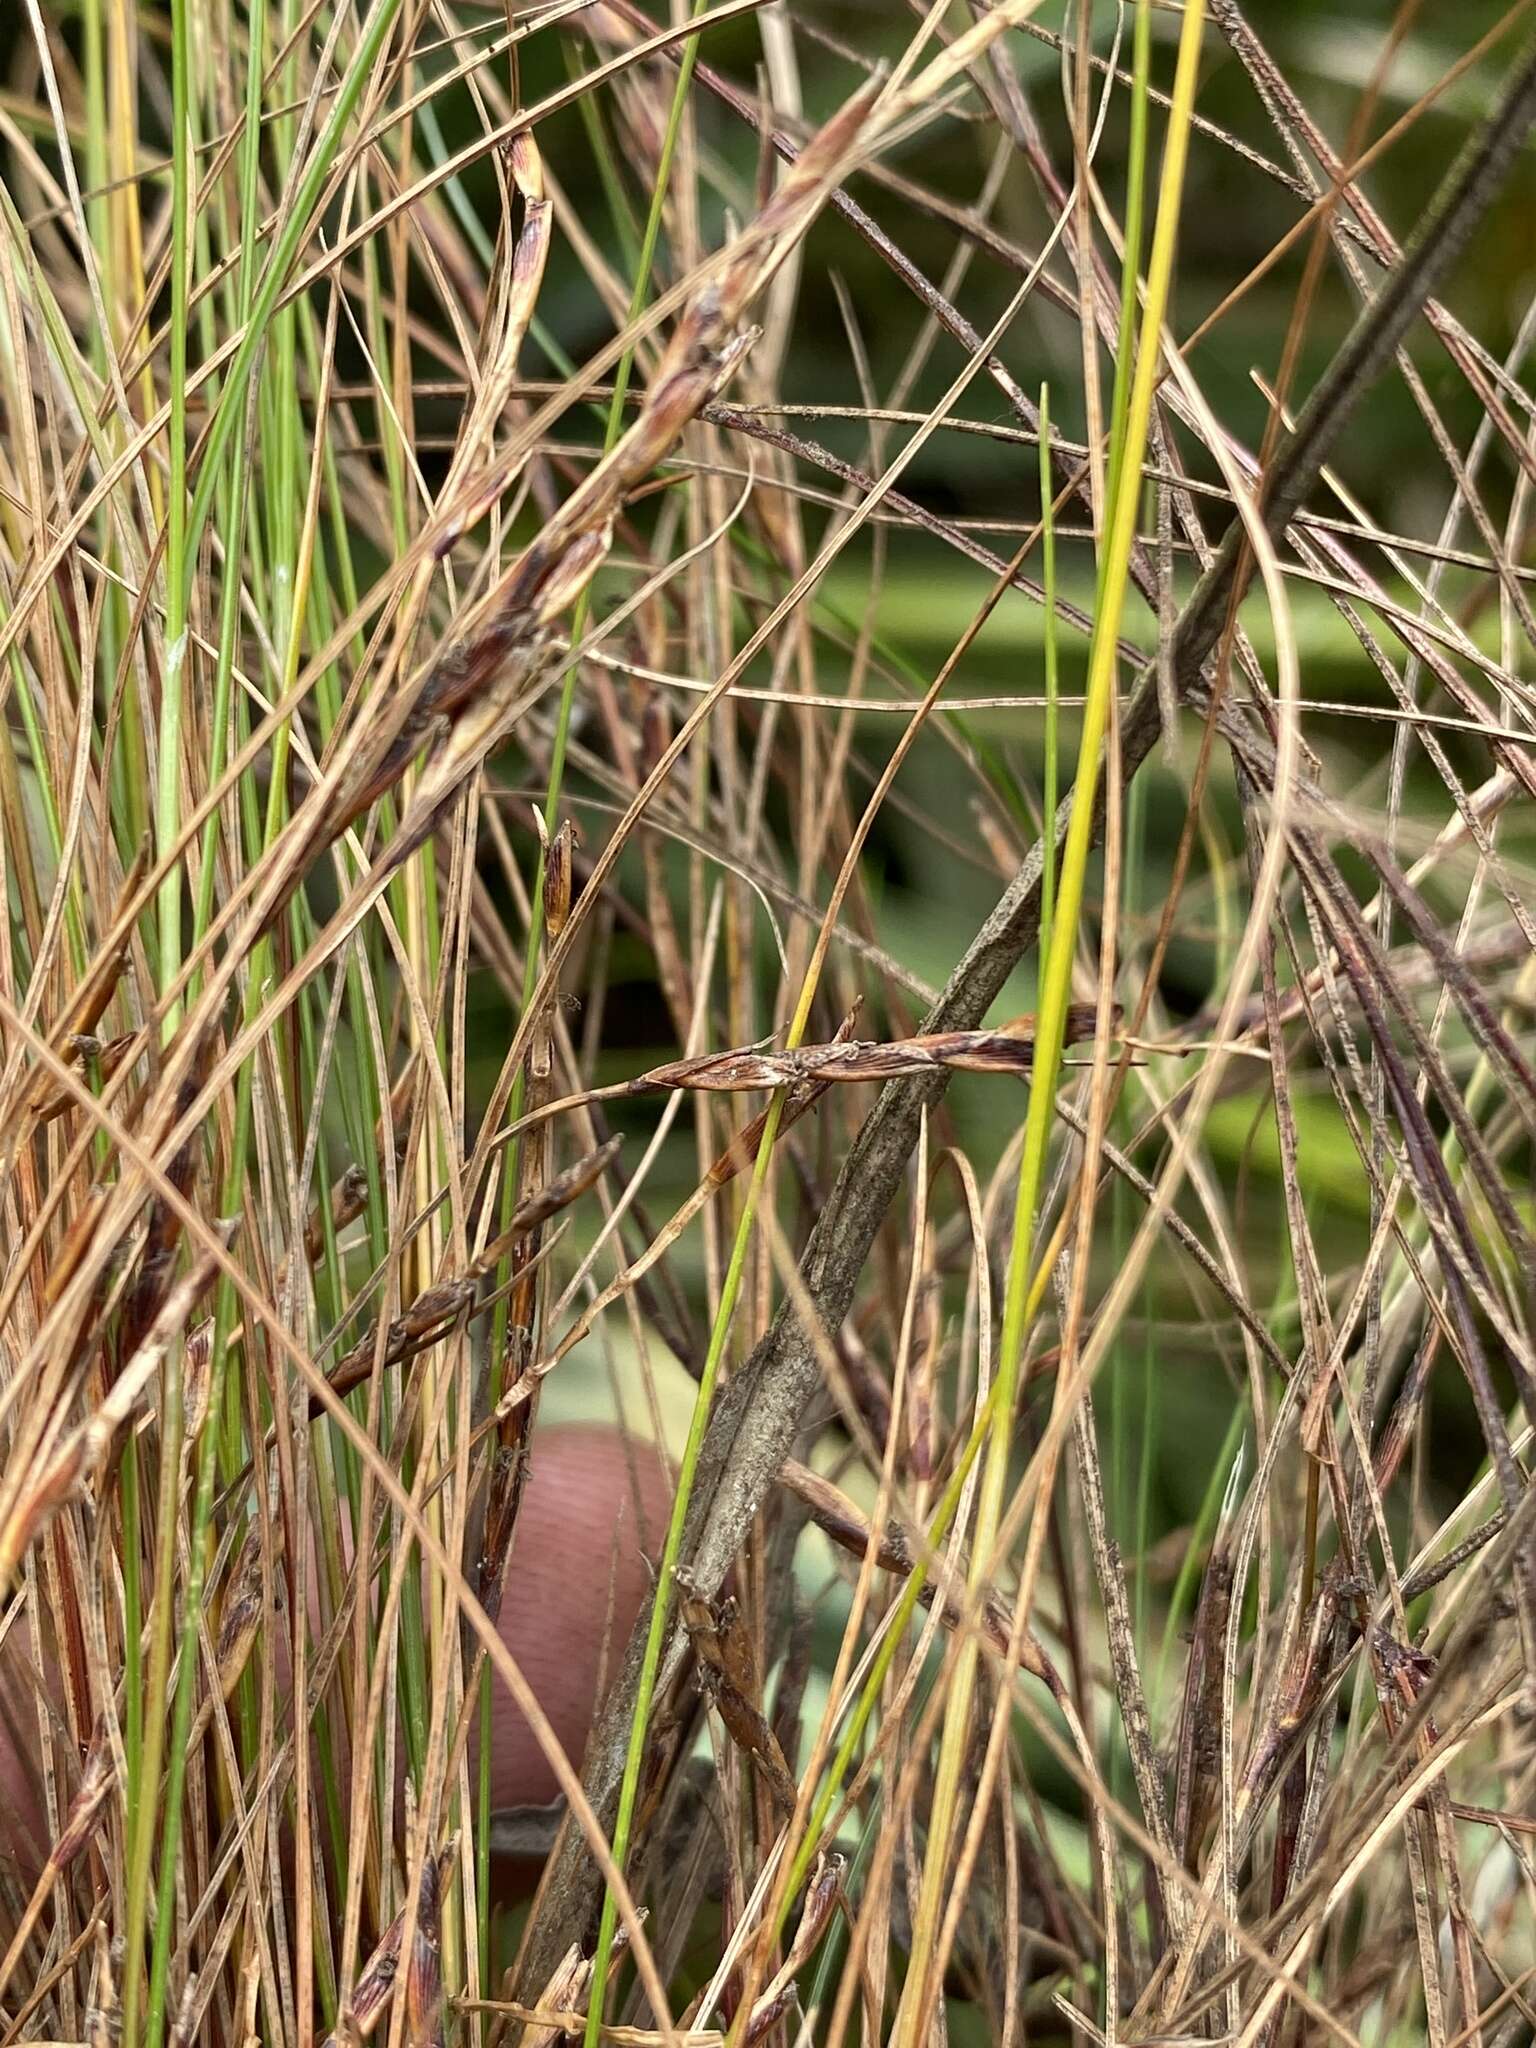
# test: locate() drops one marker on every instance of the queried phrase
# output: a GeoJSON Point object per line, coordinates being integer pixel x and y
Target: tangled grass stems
{"type": "Point", "coordinates": [368, 474]}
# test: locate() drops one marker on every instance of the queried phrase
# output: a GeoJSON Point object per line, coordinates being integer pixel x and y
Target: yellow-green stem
{"type": "Point", "coordinates": [1051, 1016]}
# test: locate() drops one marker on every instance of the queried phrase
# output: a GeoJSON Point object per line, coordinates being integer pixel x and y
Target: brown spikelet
{"type": "Point", "coordinates": [821, 1897]}
{"type": "Point", "coordinates": [197, 1377]}
{"type": "Point", "coordinates": [376, 1981]}
{"type": "Point", "coordinates": [1009, 1051]}
{"type": "Point", "coordinates": [558, 878]}
{"type": "Point", "coordinates": [727, 1671]}
{"type": "Point", "coordinates": [1199, 1748]}
{"type": "Point", "coordinates": [1301, 1687]}
{"type": "Point", "coordinates": [541, 1204]}
{"type": "Point", "coordinates": [349, 1198]}
{"type": "Point", "coordinates": [98, 1773]}
{"type": "Point", "coordinates": [427, 1321]}
{"type": "Point", "coordinates": [241, 1612]}
{"type": "Point", "coordinates": [424, 1973]}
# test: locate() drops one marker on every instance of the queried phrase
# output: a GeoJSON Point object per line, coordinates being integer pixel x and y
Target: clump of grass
{"type": "Point", "coordinates": [544, 645]}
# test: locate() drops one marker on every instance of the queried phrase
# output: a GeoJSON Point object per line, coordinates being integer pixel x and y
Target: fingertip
{"type": "Point", "coordinates": [593, 1518]}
